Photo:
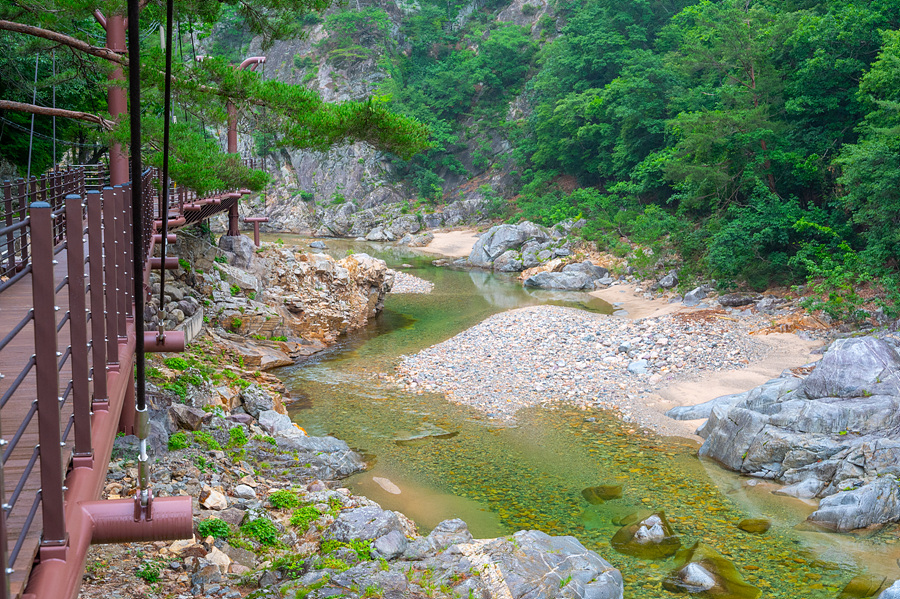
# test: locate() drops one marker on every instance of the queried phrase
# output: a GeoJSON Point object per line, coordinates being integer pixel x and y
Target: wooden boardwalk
{"type": "Point", "coordinates": [15, 305]}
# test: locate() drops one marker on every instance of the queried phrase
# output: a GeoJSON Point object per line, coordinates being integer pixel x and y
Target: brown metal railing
{"type": "Point", "coordinates": [66, 354]}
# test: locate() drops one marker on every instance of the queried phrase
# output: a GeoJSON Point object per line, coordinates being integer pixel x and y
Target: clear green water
{"type": "Point", "coordinates": [501, 478]}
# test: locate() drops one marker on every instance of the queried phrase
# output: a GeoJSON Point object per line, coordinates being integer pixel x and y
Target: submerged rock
{"type": "Point", "coordinates": [701, 570]}
{"type": "Point", "coordinates": [862, 587]}
{"type": "Point", "coordinates": [755, 525]}
{"type": "Point", "coordinates": [650, 538]}
{"type": "Point", "coordinates": [601, 494]}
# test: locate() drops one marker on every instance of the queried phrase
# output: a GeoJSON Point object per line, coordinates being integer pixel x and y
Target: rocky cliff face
{"type": "Point", "coordinates": [291, 304]}
{"type": "Point", "coordinates": [353, 188]}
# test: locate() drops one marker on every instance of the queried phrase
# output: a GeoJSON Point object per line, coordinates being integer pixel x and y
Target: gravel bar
{"type": "Point", "coordinates": [545, 354]}
{"type": "Point", "coordinates": [407, 283]}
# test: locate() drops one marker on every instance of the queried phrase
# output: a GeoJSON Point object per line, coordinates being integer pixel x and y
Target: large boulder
{"type": "Point", "coordinates": [854, 368]}
{"type": "Point", "coordinates": [240, 248]}
{"type": "Point", "coordinates": [367, 523]}
{"type": "Point", "coordinates": [561, 281]}
{"type": "Point", "coordinates": [875, 503]}
{"type": "Point", "coordinates": [501, 239]}
{"type": "Point", "coordinates": [533, 564]}
{"type": "Point", "coordinates": [834, 434]}
{"type": "Point", "coordinates": [494, 243]}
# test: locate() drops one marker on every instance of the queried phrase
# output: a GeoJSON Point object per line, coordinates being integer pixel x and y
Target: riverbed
{"type": "Point", "coordinates": [433, 459]}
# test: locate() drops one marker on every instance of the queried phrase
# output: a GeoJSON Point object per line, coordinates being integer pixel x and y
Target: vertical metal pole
{"type": "Point", "coordinates": [120, 231]}
{"type": "Point", "coordinates": [111, 270]}
{"type": "Point", "coordinates": [55, 537]}
{"type": "Point", "coordinates": [10, 236]}
{"type": "Point", "coordinates": [81, 389]}
{"type": "Point", "coordinates": [5, 566]}
{"type": "Point", "coordinates": [23, 202]}
{"type": "Point", "coordinates": [98, 318]}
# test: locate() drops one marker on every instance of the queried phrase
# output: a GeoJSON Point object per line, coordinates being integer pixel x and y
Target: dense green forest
{"type": "Point", "coordinates": [750, 142]}
{"type": "Point", "coordinates": [754, 141]}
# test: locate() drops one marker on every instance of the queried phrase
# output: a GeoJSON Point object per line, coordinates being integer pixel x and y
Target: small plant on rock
{"type": "Point", "coordinates": [176, 363]}
{"type": "Point", "coordinates": [304, 516]}
{"type": "Point", "coordinates": [261, 530]}
{"type": "Point", "coordinates": [291, 565]}
{"type": "Point", "coordinates": [179, 441]}
{"type": "Point", "coordinates": [206, 440]}
{"type": "Point", "coordinates": [214, 527]}
{"type": "Point", "coordinates": [284, 499]}
{"type": "Point", "coordinates": [237, 437]}
{"type": "Point", "coordinates": [149, 572]}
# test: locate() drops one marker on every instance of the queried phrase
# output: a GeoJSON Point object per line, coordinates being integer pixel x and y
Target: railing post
{"type": "Point", "coordinates": [54, 542]}
{"type": "Point", "coordinates": [98, 317]}
{"type": "Point", "coordinates": [110, 267]}
{"type": "Point", "coordinates": [81, 388]}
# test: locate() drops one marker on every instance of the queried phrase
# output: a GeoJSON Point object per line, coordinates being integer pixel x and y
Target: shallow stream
{"type": "Point", "coordinates": [434, 460]}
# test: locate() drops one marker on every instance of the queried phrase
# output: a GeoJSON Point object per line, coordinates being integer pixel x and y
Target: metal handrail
{"type": "Point", "coordinates": [89, 276]}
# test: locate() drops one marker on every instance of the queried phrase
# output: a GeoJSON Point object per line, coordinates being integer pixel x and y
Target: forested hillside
{"type": "Point", "coordinates": [750, 142]}
{"type": "Point", "coordinates": [753, 143]}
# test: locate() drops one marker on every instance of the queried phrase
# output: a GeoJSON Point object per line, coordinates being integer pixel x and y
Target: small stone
{"type": "Point", "coordinates": [212, 499]}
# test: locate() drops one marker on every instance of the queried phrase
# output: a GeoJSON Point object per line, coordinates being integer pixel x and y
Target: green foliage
{"type": "Point", "coordinates": [332, 563]}
{"type": "Point", "coordinates": [291, 565]}
{"type": "Point", "coordinates": [262, 530]}
{"type": "Point", "coordinates": [237, 437]}
{"type": "Point", "coordinates": [284, 499]}
{"type": "Point", "coordinates": [176, 363]}
{"type": "Point", "coordinates": [206, 440]}
{"type": "Point", "coordinates": [214, 527]}
{"type": "Point", "coordinates": [178, 441]}
{"type": "Point", "coordinates": [220, 259]}
{"type": "Point", "coordinates": [184, 264]}
{"type": "Point", "coordinates": [304, 516]}
{"type": "Point", "coordinates": [235, 290]}
{"type": "Point", "coordinates": [265, 439]}
{"type": "Point", "coordinates": [149, 572]}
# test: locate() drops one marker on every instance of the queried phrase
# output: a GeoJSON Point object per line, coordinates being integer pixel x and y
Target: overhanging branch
{"type": "Point", "coordinates": [66, 40]}
{"type": "Point", "coordinates": [67, 114]}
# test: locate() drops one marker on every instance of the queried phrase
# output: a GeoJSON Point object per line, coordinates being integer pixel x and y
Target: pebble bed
{"type": "Point", "coordinates": [407, 283]}
{"type": "Point", "coordinates": [545, 354]}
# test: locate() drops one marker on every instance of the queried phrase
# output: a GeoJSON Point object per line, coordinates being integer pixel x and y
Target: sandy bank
{"type": "Point", "coordinates": [453, 244]}
{"type": "Point", "coordinates": [782, 350]}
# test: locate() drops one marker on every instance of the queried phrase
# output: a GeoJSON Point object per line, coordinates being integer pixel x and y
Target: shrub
{"type": "Point", "coordinates": [179, 441]}
{"type": "Point", "coordinates": [184, 264]}
{"type": "Point", "coordinates": [265, 439]}
{"type": "Point", "coordinates": [304, 516]}
{"type": "Point", "coordinates": [214, 527]}
{"type": "Point", "coordinates": [262, 530]}
{"type": "Point", "coordinates": [176, 363]}
{"type": "Point", "coordinates": [221, 259]}
{"type": "Point", "coordinates": [284, 499]}
{"type": "Point", "coordinates": [235, 290]}
{"type": "Point", "coordinates": [206, 440]}
{"type": "Point", "coordinates": [236, 324]}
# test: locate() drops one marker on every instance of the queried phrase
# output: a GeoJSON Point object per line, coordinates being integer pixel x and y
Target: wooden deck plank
{"type": "Point", "coordinates": [15, 303]}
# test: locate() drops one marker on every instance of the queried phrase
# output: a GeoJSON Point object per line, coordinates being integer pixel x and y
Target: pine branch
{"type": "Point", "coordinates": [68, 114]}
{"type": "Point", "coordinates": [66, 40]}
